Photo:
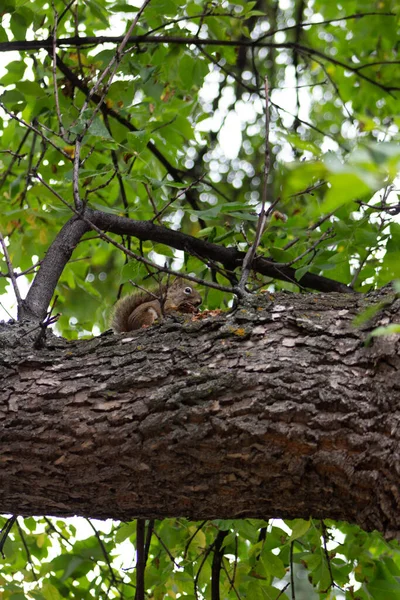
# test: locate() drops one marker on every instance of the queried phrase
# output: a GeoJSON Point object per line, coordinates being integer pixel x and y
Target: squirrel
{"type": "Point", "coordinates": [143, 308]}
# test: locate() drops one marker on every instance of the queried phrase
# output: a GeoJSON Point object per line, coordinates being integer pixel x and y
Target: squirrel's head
{"type": "Point", "coordinates": [189, 297]}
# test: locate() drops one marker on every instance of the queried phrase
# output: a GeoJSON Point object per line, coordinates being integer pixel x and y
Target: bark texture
{"type": "Point", "coordinates": [277, 410]}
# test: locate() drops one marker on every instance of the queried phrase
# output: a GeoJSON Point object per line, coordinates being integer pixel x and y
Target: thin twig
{"type": "Point", "coordinates": [5, 533]}
{"type": "Point", "coordinates": [35, 130]}
{"type": "Point", "coordinates": [153, 204]}
{"type": "Point", "coordinates": [150, 528]}
{"type": "Point", "coordinates": [54, 68]}
{"type": "Point", "coordinates": [327, 235]}
{"type": "Point", "coordinates": [248, 259]}
{"type": "Point", "coordinates": [16, 156]}
{"type": "Point", "coordinates": [28, 554]}
{"type": "Point", "coordinates": [291, 571]}
{"type": "Point", "coordinates": [192, 538]}
{"type": "Point", "coordinates": [231, 579]}
{"type": "Point", "coordinates": [178, 195]}
{"type": "Point", "coordinates": [311, 228]}
{"type": "Point", "coordinates": [166, 549]}
{"type": "Point", "coordinates": [105, 554]}
{"type": "Point", "coordinates": [196, 579]}
{"type": "Point", "coordinates": [140, 559]}
{"type": "Point", "coordinates": [11, 272]}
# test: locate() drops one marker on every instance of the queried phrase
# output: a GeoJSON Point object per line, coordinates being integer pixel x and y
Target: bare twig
{"type": "Point", "coordinates": [35, 130]}
{"type": "Point", "coordinates": [5, 533]}
{"type": "Point", "coordinates": [64, 12]}
{"type": "Point", "coordinates": [11, 272]}
{"type": "Point", "coordinates": [178, 195]}
{"type": "Point", "coordinates": [325, 236]}
{"type": "Point", "coordinates": [28, 554]}
{"type": "Point", "coordinates": [101, 186]}
{"type": "Point", "coordinates": [153, 204]}
{"type": "Point", "coordinates": [231, 579]}
{"type": "Point", "coordinates": [248, 259]}
{"type": "Point", "coordinates": [291, 571]}
{"type": "Point", "coordinates": [54, 67]}
{"type": "Point", "coordinates": [166, 549]}
{"type": "Point", "coordinates": [105, 554]}
{"type": "Point", "coordinates": [192, 538]}
{"type": "Point", "coordinates": [16, 156]}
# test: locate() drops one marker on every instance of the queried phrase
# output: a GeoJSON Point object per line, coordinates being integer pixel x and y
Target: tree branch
{"type": "Point", "coordinates": [39, 296]}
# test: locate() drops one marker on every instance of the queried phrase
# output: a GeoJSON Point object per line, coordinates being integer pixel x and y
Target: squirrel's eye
{"type": "Point", "coordinates": [188, 290]}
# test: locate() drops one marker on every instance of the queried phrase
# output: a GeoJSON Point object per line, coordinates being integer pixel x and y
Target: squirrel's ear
{"type": "Point", "coordinates": [177, 282]}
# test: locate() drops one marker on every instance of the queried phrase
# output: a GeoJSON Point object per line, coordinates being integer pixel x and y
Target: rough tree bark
{"type": "Point", "coordinates": [278, 410]}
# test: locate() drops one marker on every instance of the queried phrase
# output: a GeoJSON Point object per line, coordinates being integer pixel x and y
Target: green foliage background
{"type": "Point", "coordinates": [334, 90]}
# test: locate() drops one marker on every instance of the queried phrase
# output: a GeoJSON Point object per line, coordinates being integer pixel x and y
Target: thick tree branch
{"type": "Point", "coordinates": [39, 296]}
{"type": "Point", "coordinates": [170, 39]}
{"type": "Point", "coordinates": [42, 289]}
{"type": "Point", "coordinates": [278, 410]}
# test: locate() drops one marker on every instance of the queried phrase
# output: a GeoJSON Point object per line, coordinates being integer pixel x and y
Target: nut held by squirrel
{"type": "Point", "coordinates": [142, 309]}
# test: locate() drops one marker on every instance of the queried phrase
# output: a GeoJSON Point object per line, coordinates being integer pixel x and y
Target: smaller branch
{"type": "Point", "coordinates": [328, 560]}
{"type": "Point", "coordinates": [360, 268]}
{"type": "Point", "coordinates": [26, 272]}
{"type": "Point", "coordinates": [5, 310]}
{"type": "Point", "coordinates": [140, 559]}
{"type": "Point", "coordinates": [283, 590]}
{"type": "Point", "coordinates": [192, 538]}
{"type": "Point", "coordinates": [5, 533]}
{"type": "Point", "coordinates": [216, 564]}
{"type": "Point", "coordinates": [311, 228]}
{"type": "Point", "coordinates": [377, 63]}
{"type": "Point", "coordinates": [143, 289]}
{"type": "Point", "coordinates": [16, 156]}
{"type": "Point", "coordinates": [101, 186]}
{"type": "Point", "coordinates": [291, 571]}
{"type": "Point", "coordinates": [35, 130]}
{"type": "Point", "coordinates": [105, 554]}
{"type": "Point", "coordinates": [28, 554]}
{"type": "Point", "coordinates": [29, 167]}
{"type": "Point", "coordinates": [166, 549]}
{"type": "Point", "coordinates": [64, 12]}
{"type": "Point", "coordinates": [310, 125]}
{"type": "Point", "coordinates": [325, 236]}
{"type": "Point", "coordinates": [114, 157]}
{"type": "Point", "coordinates": [109, 71]}
{"type": "Point", "coordinates": [235, 564]}
{"type": "Point", "coordinates": [11, 272]}
{"type": "Point", "coordinates": [327, 22]}
{"type": "Point", "coordinates": [178, 195]}
{"type": "Point", "coordinates": [54, 68]}
{"type": "Point", "coordinates": [153, 204]}
{"type": "Point", "coordinates": [248, 259]}
{"type": "Point", "coordinates": [150, 529]}
{"type": "Point", "coordinates": [196, 579]}
{"type": "Point", "coordinates": [231, 579]}
{"type": "Point", "coordinates": [75, 174]}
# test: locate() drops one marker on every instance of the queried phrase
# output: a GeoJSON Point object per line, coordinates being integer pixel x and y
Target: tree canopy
{"type": "Point", "coordinates": [196, 137]}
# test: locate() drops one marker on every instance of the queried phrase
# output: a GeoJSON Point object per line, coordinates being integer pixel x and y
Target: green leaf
{"type": "Point", "coordinates": [299, 528]}
{"type": "Point", "coordinates": [344, 188]}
